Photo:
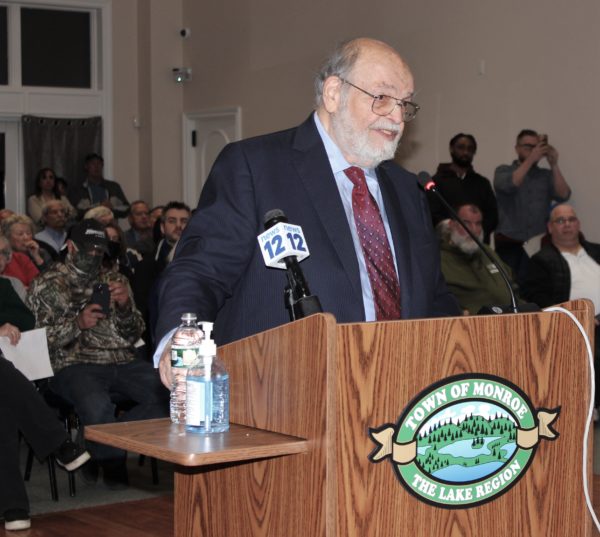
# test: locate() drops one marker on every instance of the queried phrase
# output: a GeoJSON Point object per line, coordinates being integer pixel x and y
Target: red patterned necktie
{"type": "Point", "coordinates": [376, 248]}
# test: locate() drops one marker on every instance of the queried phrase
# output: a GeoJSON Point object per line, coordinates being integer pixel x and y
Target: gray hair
{"type": "Point", "coordinates": [49, 204]}
{"type": "Point", "coordinates": [339, 63]}
{"type": "Point", "coordinates": [9, 222]}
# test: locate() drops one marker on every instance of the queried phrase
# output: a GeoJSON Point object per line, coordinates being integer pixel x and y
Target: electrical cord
{"type": "Point", "coordinates": [590, 354]}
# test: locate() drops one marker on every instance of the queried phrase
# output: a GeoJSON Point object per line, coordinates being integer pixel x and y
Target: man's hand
{"type": "Point", "coordinates": [11, 332]}
{"type": "Point", "coordinates": [539, 151]}
{"type": "Point", "coordinates": [89, 316]}
{"type": "Point", "coordinates": [552, 156]}
{"type": "Point", "coordinates": [119, 293]}
{"type": "Point", "coordinates": [164, 367]}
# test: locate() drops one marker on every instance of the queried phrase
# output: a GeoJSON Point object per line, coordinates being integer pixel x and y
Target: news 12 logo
{"type": "Point", "coordinates": [281, 241]}
{"type": "Point", "coordinates": [463, 441]}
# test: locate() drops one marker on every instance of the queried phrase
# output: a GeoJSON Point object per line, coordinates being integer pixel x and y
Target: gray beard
{"type": "Point", "coordinates": [465, 244]}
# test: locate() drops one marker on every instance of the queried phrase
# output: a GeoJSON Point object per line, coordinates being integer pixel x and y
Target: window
{"type": "Point", "coordinates": [55, 48]}
{"type": "Point", "coordinates": [3, 46]}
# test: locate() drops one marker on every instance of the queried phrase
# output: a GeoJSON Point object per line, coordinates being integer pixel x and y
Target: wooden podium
{"type": "Point", "coordinates": [325, 385]}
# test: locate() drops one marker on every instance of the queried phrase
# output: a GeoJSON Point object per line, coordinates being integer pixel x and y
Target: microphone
{"type": "Point", "coordinates": [427, 184]}
{"type": "Point", "coordinates": [283, 246]}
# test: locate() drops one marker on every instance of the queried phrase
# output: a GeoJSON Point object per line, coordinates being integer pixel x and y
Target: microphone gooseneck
{"type": "Point", "coordinates": [428, 185]}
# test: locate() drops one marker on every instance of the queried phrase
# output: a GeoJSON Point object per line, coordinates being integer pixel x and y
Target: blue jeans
{"type": "Point", "coordinates": [94, 391]}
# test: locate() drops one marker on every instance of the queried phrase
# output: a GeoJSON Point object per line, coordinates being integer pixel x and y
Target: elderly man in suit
{"type": "Point", "coordinates": [334, 176]}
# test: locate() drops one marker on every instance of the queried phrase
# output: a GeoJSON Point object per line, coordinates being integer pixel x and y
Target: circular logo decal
{"type": "Point", "coordinates": [463, 441]}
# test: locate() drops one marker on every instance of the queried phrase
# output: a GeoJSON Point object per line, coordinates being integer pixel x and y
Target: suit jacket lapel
{"type": "Point", "coordinates": [312, 165]}
{"type": "Point", "coordinates": [396, 214]}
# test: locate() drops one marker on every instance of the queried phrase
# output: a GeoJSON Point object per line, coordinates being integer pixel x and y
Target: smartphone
{"type": "Point", "coordinates": [101, 296]}
{"type": "Point", "coordinates": [543, 138]}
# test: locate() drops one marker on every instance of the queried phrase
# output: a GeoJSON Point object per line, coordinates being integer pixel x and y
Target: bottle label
{"type": "Point", "coordinates": [183, 356]}
{"type": "Point", "coordinates": [195, 403]}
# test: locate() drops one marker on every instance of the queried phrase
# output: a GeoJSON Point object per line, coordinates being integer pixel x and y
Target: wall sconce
{"type": "Point", "coordinates": [182, 74]}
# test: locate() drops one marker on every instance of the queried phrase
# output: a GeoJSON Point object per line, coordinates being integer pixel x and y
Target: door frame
{"type": "Point", "coordinates": [14, 200]}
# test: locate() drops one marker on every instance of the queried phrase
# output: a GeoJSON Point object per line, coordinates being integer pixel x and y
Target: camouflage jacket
{"type": "Point", "coordinates": [58, 295]}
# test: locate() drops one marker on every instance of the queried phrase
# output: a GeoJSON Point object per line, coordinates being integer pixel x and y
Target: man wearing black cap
{"type": "Point", "coordinates": [92, 348]}
{"type": "Point", "coordinates": [96, 190]}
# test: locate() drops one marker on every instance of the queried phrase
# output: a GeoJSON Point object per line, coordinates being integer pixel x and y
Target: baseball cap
{"type": "Point", "coordinates": [89, 234]}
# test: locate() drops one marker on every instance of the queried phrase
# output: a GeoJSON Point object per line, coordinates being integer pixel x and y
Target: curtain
{"type": "Point", "coordinates": [60, 144]}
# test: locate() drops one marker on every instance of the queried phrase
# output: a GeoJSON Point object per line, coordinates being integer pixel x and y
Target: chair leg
{"type": "Point", "coordinates": [71, 484]}
{"type": "Point", "coordinates": [154, 466]}
{"type": "Point", "coordinates": [52, 473]}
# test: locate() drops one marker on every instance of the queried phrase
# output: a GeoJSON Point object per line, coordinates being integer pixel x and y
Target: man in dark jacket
{"type": "Point", "coordinates": [458, 182]}
{"type": "Point", "coordinates": [566, 269]}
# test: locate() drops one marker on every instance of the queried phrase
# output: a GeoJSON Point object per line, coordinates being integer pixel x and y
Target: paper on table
{"type": "Point", "coordinates": [30, 355]}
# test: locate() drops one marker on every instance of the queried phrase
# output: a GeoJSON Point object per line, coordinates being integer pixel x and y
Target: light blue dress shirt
{"type": "Point", "coordinates": [338, 164]}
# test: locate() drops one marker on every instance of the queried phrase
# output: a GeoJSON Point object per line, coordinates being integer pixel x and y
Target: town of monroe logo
{"type": "Point", "coordinates": [463, 441]}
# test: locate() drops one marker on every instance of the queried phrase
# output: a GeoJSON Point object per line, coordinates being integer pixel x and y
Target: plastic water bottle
{"type": "Point", "coordinates": [207, 389]}
{"type": "Point", "coordinates": [185, 344]}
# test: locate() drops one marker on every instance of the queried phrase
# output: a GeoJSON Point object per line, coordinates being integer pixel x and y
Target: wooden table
{"type": "Point", "coordinates": [193, 453]}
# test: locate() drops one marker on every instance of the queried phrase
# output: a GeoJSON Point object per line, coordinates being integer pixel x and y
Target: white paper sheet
{"type": "Point", "coordinates": [30, 355]}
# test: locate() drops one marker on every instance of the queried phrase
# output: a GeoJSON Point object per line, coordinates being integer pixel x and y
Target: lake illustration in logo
{"type": "Point", "coordinates": [466, 442]}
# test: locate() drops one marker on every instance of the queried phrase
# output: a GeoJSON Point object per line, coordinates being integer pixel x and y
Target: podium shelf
{"type": "Point", "coordinates": [170, 442]}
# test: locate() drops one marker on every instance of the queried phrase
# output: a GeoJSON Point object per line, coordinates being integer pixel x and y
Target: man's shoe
{"type": "Point", "coordinates": [115, 475]}
{"type": "Point", "coordinates": [89, 473]}
{"type": "Point", "coordinates": [16, 519]}
{"type": "Point", "coordinates": [71, 456]}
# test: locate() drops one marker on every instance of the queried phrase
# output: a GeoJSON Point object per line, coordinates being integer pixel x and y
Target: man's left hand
{"type": "Point", "coordinates": [119, 293]}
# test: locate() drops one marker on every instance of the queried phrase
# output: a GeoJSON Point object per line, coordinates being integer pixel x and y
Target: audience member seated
{"type": "Point", "coordinates": [470, 275]}
{"type": "Point", "coordinates": [155, 215]}
{"type": "Point", "coordinates": [15, 264]}
{"type": "Point", "coordinates": [567, 268]}
{"type": "Point", "coordinates": [53, 235]}
{"type": "Point", "coordinates": [5, 257]}
{"type": "Point", "coordinates": [46, 189]}
{"type": "Point", "coordinates": [458, 182]}
{"type": "Point", "coordinates": [22, 410]}
{"type": "Point", "coordinates": [101, 214]}
{"type": "Point", "coordinates": [175, 218]}
{"type": "Point", "coordinates": [19, 229]}
{"type": "Point", "coordinates": [524, 193]}
{"type": "Point", "coordinates": [139, 235]}
{"type": "Point", "coordinates": [92, 352]}
{"type": "Point", "coordinates": [96, 190]}
{"type": "Point", "coordinates": [5, 213]}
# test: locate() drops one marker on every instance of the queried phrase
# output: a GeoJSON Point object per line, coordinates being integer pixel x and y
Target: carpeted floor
{"type": "Point", "coordinates": [140, 486]}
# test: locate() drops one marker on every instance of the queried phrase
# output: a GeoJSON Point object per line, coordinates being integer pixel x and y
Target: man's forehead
{"type": "Point", "coordinates": [562, 210]}
{"type": "Point", "coordinates": [384, 71]}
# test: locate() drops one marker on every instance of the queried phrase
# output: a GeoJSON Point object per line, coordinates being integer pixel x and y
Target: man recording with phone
{"type": "Point", "coordinates": [524, 192]}
{"type": "Point", "coordinates": [92, 325]}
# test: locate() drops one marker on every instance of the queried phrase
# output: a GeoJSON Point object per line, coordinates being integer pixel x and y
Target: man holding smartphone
{"type": "Point", "coordinates": [524, 192]}
{"type": "Point", "coordinates": [92, 351]}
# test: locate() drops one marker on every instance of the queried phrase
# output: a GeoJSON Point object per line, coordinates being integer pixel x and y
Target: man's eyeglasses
{"type": "Point", "coordinates": [564, 219]}
{"type": "Point", "coordinates": [384, 104]}
{"type": "Point", "coordinates": [527, 146]}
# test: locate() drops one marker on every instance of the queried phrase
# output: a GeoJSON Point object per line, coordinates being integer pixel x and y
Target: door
{"type": "Point", "coordinates": [205, 134]}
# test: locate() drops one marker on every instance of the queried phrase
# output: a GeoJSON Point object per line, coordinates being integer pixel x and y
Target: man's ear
{"type": "Point", "coordinates": [332, 93]}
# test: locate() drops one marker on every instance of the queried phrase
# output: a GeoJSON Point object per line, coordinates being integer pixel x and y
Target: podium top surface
{"type": "Point", "coordinates": [169, 442]}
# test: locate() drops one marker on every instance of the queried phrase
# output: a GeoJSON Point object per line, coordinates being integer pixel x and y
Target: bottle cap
{"type": "Point", "coordinates": [207, 346]}
{"type": "Point", "coordinates": [187, 317]}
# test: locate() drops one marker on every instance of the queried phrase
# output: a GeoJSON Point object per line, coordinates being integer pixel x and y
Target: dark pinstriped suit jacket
{"type": "Point", "coordinates": [219, 272]}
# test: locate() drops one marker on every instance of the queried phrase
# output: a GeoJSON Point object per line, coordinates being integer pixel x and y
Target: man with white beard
{"type": "Point", "coordinates": [470, 275]}
{"type": "Point", "coordinates": [373, 254]}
